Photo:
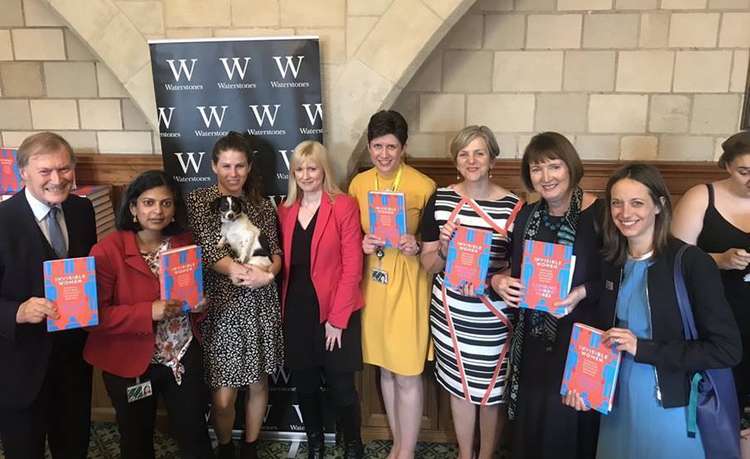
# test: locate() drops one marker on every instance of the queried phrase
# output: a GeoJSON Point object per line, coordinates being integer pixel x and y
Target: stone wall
{"type": "Point", "coordinates": [623, 79]}
{"type": "Point", "coordinates": [50, 80]}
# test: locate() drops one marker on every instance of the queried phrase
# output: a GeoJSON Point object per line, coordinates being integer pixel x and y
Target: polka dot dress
{"type": "Point", "coordinates": [242, 332]}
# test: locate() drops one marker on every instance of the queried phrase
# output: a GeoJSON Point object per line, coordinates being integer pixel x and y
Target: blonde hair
{"type": "Point", "coordinates": [466, 135]}
{"type": "Point", "coordinates": [310, 150]}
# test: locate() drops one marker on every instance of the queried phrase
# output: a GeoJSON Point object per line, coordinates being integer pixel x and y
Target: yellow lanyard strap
{"type": "Point", "coordinates": [396, 181]}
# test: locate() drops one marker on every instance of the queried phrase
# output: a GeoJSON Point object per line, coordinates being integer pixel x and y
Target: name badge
{"type": "Point", "coordinates": [379, 276]}
{"type": "Point", "coordinates": [139, 391]}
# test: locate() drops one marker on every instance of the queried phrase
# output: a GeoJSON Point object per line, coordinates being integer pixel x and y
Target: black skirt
{"type": "Point", "coordinates": [304, 333]}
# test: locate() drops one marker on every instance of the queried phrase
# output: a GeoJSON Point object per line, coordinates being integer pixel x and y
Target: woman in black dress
{"type": "Point", "coordinates": [542, 426]}
{"type": "Point", "coordinates": [716, 218]}
{"type": "Point", "coordinates": [321, 240]}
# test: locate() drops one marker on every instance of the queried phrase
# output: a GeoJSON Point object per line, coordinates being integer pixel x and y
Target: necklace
{"type": "Point", "coordinates": [149, 247]}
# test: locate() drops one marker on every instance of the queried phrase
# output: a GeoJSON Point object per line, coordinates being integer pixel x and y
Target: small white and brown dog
{"type": "Point", "coordinates": [239, 233]}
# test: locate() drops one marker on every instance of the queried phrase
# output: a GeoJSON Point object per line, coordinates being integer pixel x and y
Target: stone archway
{"type": "Point", "coordinates": [371, 79]}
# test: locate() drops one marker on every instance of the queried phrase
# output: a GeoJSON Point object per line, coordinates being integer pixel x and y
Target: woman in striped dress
{"type": "Point", "coordinates": [470, 332]}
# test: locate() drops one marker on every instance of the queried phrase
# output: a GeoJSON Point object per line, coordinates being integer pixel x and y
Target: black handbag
{"type": "Point", "coordinates": [713, 399]}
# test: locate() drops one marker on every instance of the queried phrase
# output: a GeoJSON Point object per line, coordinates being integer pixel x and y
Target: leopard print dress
{"type": "Point", "coordinates": [242, 334]}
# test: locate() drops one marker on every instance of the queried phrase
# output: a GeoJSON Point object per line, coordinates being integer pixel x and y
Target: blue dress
{"type": "Point", "coordinates": [638, 427]}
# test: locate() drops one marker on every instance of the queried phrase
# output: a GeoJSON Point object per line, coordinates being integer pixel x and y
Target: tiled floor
{"type": "Point", "coordinates": [104, 445]}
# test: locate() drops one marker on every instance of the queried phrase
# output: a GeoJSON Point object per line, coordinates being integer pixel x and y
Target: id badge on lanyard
{"type": "Point", "coordinates": [378, 274]}
{"type": "Point", "coordinates": [139, 390]}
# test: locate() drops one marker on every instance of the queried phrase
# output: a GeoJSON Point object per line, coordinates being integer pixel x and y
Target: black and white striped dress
{"type": "Point", "coordinates": [471, 335]}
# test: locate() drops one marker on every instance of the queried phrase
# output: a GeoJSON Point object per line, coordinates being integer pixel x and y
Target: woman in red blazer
{"type": "Point", "coordinates": [320, 296]}
{"type": "Point", "coordinates": [146, 346]}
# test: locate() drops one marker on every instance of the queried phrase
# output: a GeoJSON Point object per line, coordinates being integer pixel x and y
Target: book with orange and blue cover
{"type": "Point", "coordinates": [10, 174]}
{"type": "Point", "coordinates": [546, 274]}
{"type": "Point", "coordinates": [181, 275]}
{"type": "Point", "coordinates": [591, 368]}
{"type": "Point", "coordinates": [387, 211]}
{"type": "Point", "coordinates": [71, 284]}
{"type": "Point", "coordinates": [468, 259]}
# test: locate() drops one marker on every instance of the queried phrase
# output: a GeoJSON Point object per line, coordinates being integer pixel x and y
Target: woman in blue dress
{"type": "Point", "coordinates": [649, 416]}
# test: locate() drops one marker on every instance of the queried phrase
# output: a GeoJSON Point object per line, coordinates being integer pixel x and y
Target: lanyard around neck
{"type": "Point", "coordinates": [396, 181]}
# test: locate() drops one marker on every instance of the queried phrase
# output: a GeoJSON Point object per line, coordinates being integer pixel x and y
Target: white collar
{"type": "Point", "coordinates": [39, 208]}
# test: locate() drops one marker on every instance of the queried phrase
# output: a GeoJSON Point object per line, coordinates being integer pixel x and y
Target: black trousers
{"type": "Point", "coordinates": [61, 412]}
{"type": "Point", "coordinates": [186, 406]}
{"type": "Point", "coordinates": [340, 391]}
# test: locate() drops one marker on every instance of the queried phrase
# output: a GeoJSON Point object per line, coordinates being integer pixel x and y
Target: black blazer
{"type": "Point", "coordinates": [25, 348]}
{"type": "Point", "coordinates": [675, 358]}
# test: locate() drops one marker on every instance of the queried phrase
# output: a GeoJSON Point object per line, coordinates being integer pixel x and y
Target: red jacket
{"type": "Point", "coordinates": [123, 342]}
{"type": "Point", "coordinates": [335, 258]}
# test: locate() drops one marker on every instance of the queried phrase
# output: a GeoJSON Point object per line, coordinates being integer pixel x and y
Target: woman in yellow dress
{"type": "Point", "coordinates": [395, 319]}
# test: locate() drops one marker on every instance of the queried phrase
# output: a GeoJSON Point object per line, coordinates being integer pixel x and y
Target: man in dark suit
{"type": "Point", "coordinates": [45, 386]}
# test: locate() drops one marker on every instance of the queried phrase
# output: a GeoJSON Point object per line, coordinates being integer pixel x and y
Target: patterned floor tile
{"type": "Point", "coordinates": [105, 445]}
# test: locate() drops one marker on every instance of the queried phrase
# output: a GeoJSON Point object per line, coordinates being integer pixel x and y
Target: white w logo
{"type": "Point", "coordinates": [261, 117]}
{"type": "Point", "coordinates": [165, 118]}
{"type": "Point", "coordinates": [268, 410]}
{"type": "Point", "coordinates": [280, 374]}
{"type": "Point", "coordinates": [177, 72]}
{"type": "Point", "coordinates": [190, 161]}
{"type": "Point", "coordinates": [212, 115]}
{"type": "Point", "coordinates": [285, 156]}
{"type": "Point", "coordinates": [313, 116]}
{"type": "Point", "coordinates": [288, 65]}
{"type": "Point", "coordinates": [235, 66]}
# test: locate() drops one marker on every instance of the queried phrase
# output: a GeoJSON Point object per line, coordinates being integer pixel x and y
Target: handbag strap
{"type": "Point", "coordinates": [688, 325]}
{"type": "Point", "coordinates": [683, 300]}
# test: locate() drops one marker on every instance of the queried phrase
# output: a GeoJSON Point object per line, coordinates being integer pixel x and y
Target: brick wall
{"type": "Point", "coordinates": [624, 79]}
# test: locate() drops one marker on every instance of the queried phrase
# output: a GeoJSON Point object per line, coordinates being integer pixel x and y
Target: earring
{"type": "Point", "coordinates": [458, 176]}
{"type": "Point", "coordinates": [173, 220]}
{"type": "Point", "coordinates": [135, 220]}
{"type": "Point", "coordinates": [490, 173]}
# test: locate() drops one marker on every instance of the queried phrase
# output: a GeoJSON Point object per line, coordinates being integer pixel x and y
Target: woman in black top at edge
{"type": "Point", "coordinates": [716, 218]}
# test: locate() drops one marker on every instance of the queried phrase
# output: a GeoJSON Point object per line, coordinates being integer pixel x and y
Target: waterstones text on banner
{"type": "Point", "coordinates": [269, 88]}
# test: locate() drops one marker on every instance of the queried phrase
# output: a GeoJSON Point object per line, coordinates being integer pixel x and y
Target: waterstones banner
{"type": "Point", "coordinates": [267, 87]}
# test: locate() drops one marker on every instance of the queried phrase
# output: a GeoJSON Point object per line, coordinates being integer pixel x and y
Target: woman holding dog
{"type": "Point", "coordinates": [242, 330]}
{"type": "Point", "coordinates": [320, 297]}
{"type": "Point", "coordinates": [142, 343]}
{"type": "Point", "coordinates": [395, 330]}
{"type": "Point", "coordinates": [642, 319]}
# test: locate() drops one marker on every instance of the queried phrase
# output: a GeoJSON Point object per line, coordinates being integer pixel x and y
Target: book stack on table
{"type": "Point", "coordinates": [101, 198]}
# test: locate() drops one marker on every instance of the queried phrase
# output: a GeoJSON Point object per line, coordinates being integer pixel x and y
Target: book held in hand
{"type": "Point", "coordinates": [387, 216]}
{"type": "Point", "coordinates": [71, 284]}
{"type": "Point", "coordinates": [546, 274]}
{"type": "Point", "coordinates": [181, 276]}
{"type": "Point", "coordinates": [10, 174]}
{"type": "Point", "coordinates": [591, 368]}
{"type": "Point", "coordinates": [468, 259]}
